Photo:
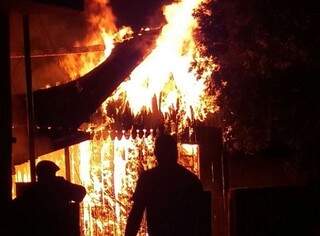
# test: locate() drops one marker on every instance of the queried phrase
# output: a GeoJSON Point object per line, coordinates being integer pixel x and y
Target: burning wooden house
{"type": "Point", "coordinates": [102, 124]}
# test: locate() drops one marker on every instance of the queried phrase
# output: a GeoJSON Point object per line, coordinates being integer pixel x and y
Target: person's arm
{"type": "Point", "coordinates": [73, 192]}
{"type": "Point", "coordinates": [134, 219]}
{"type": "Point", "coordinates": [78, 192]}
{"type": "Point", "coordinates": [136, 213]}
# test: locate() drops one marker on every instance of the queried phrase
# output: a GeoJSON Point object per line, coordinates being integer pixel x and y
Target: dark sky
{"type": "Point", "coordinates": [139, 13]}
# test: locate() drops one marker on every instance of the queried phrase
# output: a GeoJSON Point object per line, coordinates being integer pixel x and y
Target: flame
{"type": "Point", "coordinates": [168, 75]}
{"type": "Point", "coordinates": [167, 72]}
{"type": "Point", "coordinates": [108, 167]}
{"type": "Point", "coordinates": [101, 31]}
{"type": "Point", "coordinates": [84, 167]}
{"type": "Point", "coordinates": [119, 169]}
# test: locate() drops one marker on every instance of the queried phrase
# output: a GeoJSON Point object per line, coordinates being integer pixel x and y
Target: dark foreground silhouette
{"type": "Point", "coordinates": [47, 207]}
{"type": "Point", "coordinates": [169, 193]}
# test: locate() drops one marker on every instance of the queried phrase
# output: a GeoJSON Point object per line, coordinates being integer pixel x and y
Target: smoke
{"type": "Point", "coordinates": [100, 23]}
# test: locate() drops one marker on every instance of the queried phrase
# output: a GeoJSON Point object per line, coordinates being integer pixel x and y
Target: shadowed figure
{"type": "Point", "coordinates": [46, 207]}
{"type": "Point", "coordinates": [170, 195]}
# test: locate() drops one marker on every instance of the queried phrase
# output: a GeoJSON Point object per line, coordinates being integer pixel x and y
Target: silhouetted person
{"type": "Point", "coordinates": [169, 193]}
{"type": "Point", "coordinates": [45, 208]}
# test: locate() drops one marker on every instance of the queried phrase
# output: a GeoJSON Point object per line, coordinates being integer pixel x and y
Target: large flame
{"type": "Point", "coordinates": [167, 73]}
{"type": "Point", "coordinates": [101, 31]}
{"type": "Point", "coordinates": [109, 165]}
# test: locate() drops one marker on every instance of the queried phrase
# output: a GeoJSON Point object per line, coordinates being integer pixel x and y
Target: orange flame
{"type": "Point", "coordinates": [167, 72]}
{"type": "Point", "coordinates": [109, 167]}
{"type": "Point", "coordinates": [102, 31]}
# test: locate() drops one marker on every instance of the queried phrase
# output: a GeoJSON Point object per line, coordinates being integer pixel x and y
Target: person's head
{"type": "Point", "coordinates": [46, 170]}
{"type": "Point", "coordinates": [166, 150]}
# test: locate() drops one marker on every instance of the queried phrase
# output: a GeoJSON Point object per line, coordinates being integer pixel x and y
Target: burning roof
{"type": "Point", "coordinates": [173, 80]}
{"type": "Point", "coordinates": [68, 105]}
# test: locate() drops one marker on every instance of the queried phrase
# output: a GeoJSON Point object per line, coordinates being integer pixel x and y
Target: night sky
{"type": "Point", "coordinates": [140, 13]}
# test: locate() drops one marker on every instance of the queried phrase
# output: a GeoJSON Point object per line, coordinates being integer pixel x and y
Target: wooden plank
{"type": "Point", "coordinates": [212, 174]}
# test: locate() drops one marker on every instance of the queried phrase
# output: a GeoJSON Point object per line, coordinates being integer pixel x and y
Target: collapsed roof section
{"type": "Point", "coordinates": [69, 105]}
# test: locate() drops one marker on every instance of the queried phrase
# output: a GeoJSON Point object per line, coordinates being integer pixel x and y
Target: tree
{"type": "Point", "coordinates": [269, 58]}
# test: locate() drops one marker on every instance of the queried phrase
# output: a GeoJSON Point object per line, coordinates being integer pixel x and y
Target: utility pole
{"type": "Point", "coordinates": [29, 93]}
{"type": "Point", "coordinates": [5, 120]}
{"type": "Point", "coordinates": [5, 107]}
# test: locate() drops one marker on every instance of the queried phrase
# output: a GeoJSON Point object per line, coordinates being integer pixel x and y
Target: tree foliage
{"type": "Point", "coordinates": [269, 58]}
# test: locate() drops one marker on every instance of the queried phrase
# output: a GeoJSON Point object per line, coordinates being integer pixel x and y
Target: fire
{"type": "Point", "coordinates": [167, 77]}
{"type": "Point", "coordinates": [102, 31]}
{"type": "Point", "coordinates": [167, 80]}
{"type": "Point", "coordinates": [109, 167]}
{"type": "Point", "coordinates": [167, 74]}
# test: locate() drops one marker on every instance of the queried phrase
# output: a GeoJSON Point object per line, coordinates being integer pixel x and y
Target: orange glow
{"type": "Point", "coordinates": [167, 72]}
{"type": "Point", "coordinates": [22, 171]}
{"type": "Point", "coordinates": [168, 75]}
{"type": "Point", "coordinates": [110, 164]}
{"type": "Point", "coordinates": [101, 31]}
{"type": "Point", "coordinates": [109, 168]}
{"type": "Point", "coordinates": [189, 157]}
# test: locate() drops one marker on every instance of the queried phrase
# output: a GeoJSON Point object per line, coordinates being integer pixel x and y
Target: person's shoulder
{"type": "Point", "coordinates": [149, 173]}
{"type": "Point", "coordinates": [187, 172]}
{"type": "Point", "coordinates": [190, 176]}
